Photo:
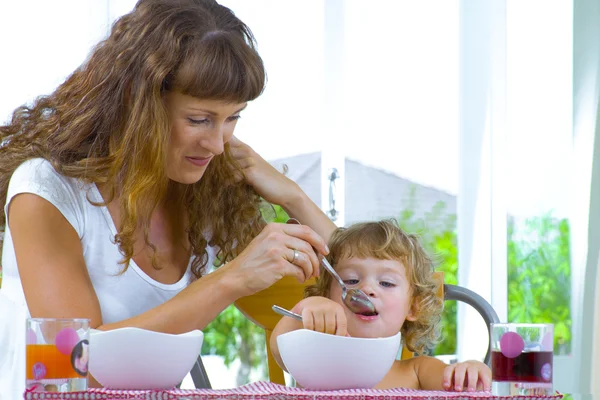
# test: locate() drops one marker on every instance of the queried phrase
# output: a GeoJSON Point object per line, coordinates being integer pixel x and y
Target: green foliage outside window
{"type": "Point", "coordinates": [539, 276]}
{"type": "Point", "coordinates": [232, 336]}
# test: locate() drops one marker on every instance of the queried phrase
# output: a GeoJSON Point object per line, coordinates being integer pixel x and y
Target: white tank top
{"type": "Point", "coordinates": [120, 296]}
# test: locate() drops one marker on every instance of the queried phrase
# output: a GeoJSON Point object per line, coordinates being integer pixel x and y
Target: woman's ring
{"type": "Point", "coordinates": [296, 255]}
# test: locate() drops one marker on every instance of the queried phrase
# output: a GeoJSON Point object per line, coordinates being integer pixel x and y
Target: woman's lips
{"type": "Point", "coordinates": [198, 161]}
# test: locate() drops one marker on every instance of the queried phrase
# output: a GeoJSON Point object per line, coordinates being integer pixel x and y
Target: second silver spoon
{"type": "Point", "coordinates": [287, 313]}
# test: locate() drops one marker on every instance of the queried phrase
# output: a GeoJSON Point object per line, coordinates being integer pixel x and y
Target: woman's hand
{"type": "Point", "coordinates": [469, 375]}
{"type": "Point", "coordinates": [269, 183]}
{"type": "Point", "coordinates": [323, 315]}
{"type": "Point", "coordinates": [279, 250]}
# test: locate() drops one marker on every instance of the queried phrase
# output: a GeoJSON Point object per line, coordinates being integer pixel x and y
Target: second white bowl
{"type": "Point", "coordinates": [327, 362]}
{"type": "Point", "coordinates": [133, 358]}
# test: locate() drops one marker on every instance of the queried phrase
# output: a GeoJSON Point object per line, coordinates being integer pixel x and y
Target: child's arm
{"type": "Point", "coordinates": [318, 314]}
{"type": "Point", "coordinates": [468, 375]}
{"type": "Point", "coordinates": [430, 373]}
{"type": "Point", "coordinates": [433, 374]}
{"type": "Point", "coordinates": [285, 324]}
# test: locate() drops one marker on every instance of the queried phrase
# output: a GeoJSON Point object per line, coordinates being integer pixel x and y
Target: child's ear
{"type": "Point", "coordinates": [413, 312]}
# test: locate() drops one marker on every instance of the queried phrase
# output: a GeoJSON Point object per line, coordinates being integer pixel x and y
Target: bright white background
{"type": "Point", "coordinates": [378, 82]}
{"type": "Point", "coordinates": [400, 61]}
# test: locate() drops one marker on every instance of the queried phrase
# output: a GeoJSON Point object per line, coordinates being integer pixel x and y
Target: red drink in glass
{"type": "Point", "coordinates": [533, 366]}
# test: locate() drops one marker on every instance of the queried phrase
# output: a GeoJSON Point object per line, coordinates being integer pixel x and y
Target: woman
{"type": "Point", "coordinates": [126, 183]}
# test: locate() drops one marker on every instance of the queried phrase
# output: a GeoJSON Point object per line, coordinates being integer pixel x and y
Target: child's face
{"type": "Point", "coordinates": [385, 282]}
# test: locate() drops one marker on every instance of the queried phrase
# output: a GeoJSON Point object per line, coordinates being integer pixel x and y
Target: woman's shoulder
{"type": "Point", "coordinates": [35, 169]}
{"type": "Point", "coordinates": [38, 176]}
{"type": "Point", "coordinates": [38, 173]}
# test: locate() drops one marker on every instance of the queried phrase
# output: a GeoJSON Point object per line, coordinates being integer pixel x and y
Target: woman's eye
{"type": "Point", "coordinates": [387, 284]}
{"type": "Point", "coordinates": [351, 281]}
{"type": "Point", "coordinates": [234, 118]}
{"type": "Point", "coordinates": [198, 121]}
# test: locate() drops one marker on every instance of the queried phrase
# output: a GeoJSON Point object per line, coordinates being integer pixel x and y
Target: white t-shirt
{"type": "Point", "coordinates": [120, 296]}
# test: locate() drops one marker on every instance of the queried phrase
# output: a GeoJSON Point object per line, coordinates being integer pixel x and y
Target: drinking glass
{"type": "Point", "coordinates": [522, 357]}
{"type": "Point", "coordinates": [57, 354]}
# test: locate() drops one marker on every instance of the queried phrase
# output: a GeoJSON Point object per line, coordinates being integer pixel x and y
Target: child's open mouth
{"type": "Point", "coordinates": [368, 316]}
{"type": "Point", "coordinates": [370, 313]}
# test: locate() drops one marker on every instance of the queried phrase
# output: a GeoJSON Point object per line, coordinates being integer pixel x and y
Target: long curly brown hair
{"type": "Point", "coordinates": [107, 124]}
{"type": "Point", "coordinates": [385, 240]}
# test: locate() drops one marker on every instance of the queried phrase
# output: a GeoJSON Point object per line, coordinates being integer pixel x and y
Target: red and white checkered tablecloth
{"type": "Point", "coordinates": [267, 390]}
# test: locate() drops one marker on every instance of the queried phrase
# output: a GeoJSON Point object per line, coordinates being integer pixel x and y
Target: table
{"type": "Point", "coordinates": [268, 390]}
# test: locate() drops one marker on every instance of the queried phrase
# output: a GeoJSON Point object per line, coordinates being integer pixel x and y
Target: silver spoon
{"type": "Point", "coordinates": [356, 300]}
{"type": "Point", "coordinates": [287, 313]}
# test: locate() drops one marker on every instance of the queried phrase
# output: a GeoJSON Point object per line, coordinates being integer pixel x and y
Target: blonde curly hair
{"type": "Point", "coordinates": [107, 123]}
{"type": "Point", "coordinates": [385, 240]}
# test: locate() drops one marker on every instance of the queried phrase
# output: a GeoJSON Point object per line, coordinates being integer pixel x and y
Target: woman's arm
{"type": "Point", "coordinates": [276, 188]}
{"type": "Point", "coordinates": [56, 282]}
{"type": "Point", "coordinates": [301, 207]}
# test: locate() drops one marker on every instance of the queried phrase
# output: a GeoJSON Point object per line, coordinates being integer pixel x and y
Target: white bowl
{"type": "Point", "coordinates": [327, 362]}
{"type": "Point", "coordinates": [133, 358]}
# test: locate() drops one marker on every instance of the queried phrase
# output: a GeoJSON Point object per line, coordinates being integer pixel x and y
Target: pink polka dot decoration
{"type": "Point", "coordinates": [31, 337]}
{"type": "Point", "coordinates": [39, 371]}
{"type": "Point", "coordinates": [66, 340]}
{"type": "Point", "coordinates": [548, 342]}
{"type": "Point", "coordinates": [511, 344]}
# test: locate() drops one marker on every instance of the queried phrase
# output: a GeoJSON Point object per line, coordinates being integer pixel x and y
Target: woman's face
{"type": "Point", "coordinates": [199, 131]}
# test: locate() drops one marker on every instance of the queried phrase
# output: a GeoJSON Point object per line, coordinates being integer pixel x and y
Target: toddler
{"type": "Point", "coordinates": [394, 270]}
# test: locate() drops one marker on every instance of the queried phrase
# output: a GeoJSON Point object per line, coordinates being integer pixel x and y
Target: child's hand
{"type": "Point", "coordinates": [469, 375]}
{"type": "Point", "coordinates": [323, 315]}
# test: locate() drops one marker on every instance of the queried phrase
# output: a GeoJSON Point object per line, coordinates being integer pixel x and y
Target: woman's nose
{"type": "Point", "coordinates": [214, 142]}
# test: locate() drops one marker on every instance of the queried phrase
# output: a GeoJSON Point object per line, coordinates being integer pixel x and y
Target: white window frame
{"type": "Point", "coordinates": [332, 153]}
{"type": "Point", "coordinates": [482, 205]}
{"type": "Point", "coordinates": [585, 219]}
